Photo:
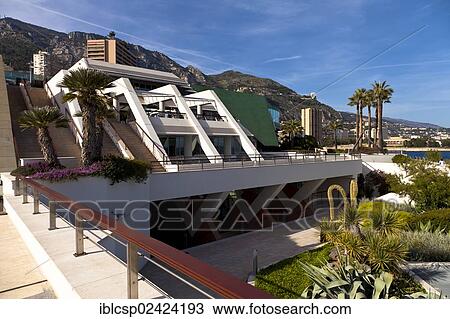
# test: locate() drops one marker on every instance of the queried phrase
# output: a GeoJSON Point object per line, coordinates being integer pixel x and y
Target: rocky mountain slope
{"type": "Point", "coordinates": [19, 40]}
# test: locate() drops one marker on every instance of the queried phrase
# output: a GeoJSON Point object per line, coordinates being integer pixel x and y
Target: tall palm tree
{"type": "Point", "coordinates": [358, 99]}
{"type": "Point", "coordinates": [87, 85]}
{"type": "Point", "coordinates": [382, 93]}
{"type": "Point", "coordinates": [292, 128]}
{"type": "Point", "coordinates": [41, 119]}
{"type": "Point", "coordinates": [335, 125]}
{"type": "Point", "coordinates": [370, 102]}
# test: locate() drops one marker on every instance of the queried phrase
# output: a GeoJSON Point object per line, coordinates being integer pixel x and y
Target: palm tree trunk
{"type": "Point", "coordinates": [357, 123]}
{"type": "Point", "coordinates": [45, 142]}
{"type": "Point", "coordinates": [369, 126]}
{"type": "Point", "coordinates": [375, 138]}
{"type": "Point", "coordinates": [361, 125]}
{"type": "Point", "coordinates": [335, 141]}
{"type": "Point", "coordinates": [380, 125]}
{"type": "Point", "coordinates": [97, 156]}
{"type": "Point", "coordinates": [88, 151]}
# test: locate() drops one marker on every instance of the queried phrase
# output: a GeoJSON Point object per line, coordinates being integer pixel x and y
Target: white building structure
{"type": "Point", "coordinates": [197, 150]}
{"type": "Point", "coordinates": [40, 63]}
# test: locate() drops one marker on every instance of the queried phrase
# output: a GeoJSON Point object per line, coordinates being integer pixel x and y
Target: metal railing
{"type": "Point", "coordinates": [208, 280]}
{"type": "Point", "coordinates": [166, 114]}
{"type": "Point", "coordinates": [155, 148]}
{"type": "Point", "coordinates": [203, 162]}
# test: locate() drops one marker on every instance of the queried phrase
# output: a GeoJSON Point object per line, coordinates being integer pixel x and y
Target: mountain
{"type": "Point", "coordinates": [19, 40]}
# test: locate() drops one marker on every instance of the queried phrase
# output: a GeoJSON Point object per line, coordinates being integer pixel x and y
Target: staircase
{"type": "Point", "coordinates": [63, 139]}
{"type": "Point", "coordinates": [136, 145]}
{"type": "Point", "coordinates": [26, 141]}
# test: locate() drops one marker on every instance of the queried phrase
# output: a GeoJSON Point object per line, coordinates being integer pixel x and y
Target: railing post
{"type": "Point", "coordinates": [255, 261]}
{"type": "Point", "coordinates": [132, 271]}
{"type": "Point", "coordinates": [24, 192]}
{"type": "Point", "coordinates": [35, 201]}
{"type": "Point", "coordinates": [17, 187]}
{"type": "Point", "coordinates": [52, 215]}
{"type": "Point", "coordinates": [79, 237]}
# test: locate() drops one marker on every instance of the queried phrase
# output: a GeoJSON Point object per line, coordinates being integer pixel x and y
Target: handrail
{"type": "Point", "coordinates": [160, 149]}
{"type": "Point", "coordinates": [252, 160]}
{"type": "Point", "coordinates": [214, 279]}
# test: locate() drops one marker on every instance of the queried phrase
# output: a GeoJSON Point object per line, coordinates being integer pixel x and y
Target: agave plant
{"type": "Point", "coordinates": [387, 222]}
{"type": "Point", "coordinates": [384, 253]}
{"type": "Point", "coordinates": [348, 280]}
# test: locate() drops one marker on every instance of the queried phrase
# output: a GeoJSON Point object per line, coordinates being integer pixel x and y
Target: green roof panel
{"type": "Point", "coordinates": [252, 112]}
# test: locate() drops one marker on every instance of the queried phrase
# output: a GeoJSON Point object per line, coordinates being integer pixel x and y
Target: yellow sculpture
{"type": "Point", "coordinates": [341, 190]}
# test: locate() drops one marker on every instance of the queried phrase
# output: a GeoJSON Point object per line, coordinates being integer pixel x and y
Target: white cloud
{"type": "Point", "coordinates": [281, 59]}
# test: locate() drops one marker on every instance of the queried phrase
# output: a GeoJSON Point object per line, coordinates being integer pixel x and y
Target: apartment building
{"type": "Point", "coordinates": [110, 50]}
{"type": "Point", "coordinates": [312, 122]}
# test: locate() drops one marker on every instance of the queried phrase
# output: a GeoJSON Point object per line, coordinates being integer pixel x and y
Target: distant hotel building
{"type": "Point", "coordinates": [40, 64]}
{"type": "Point", "coordinates": [110, 50]}
{"type": "Point", "coordinates": [312, 122]}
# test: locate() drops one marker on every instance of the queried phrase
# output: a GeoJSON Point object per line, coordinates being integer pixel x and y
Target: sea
{"type": "Point", "coordinates": [420, 154]}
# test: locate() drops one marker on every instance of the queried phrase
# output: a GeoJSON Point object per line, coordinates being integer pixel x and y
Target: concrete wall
{"type": "Point", "coordinates": [183, 184]}
{"type": "Point", "coordinates": [7, 151]}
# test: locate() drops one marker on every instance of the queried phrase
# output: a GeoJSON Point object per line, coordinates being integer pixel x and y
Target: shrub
{"type": "Point", "coordinates": [66, 174]}
{"type": "Point", "coordinates": [375, 184]}
{"type": "Point", "coordinates": [395, 183]}
{"type": "Point", "coordinates": [433, 156]}
{"type": "Point", "coordinates": [401, 159]}
{"type": "Point", "coordinates": [33, 168]}
{"type": "Point", "coordinates": [427, 246]}
{"type": "Point", "coordinates": [438, 219]}
{"type": "Point", "coordinates": [118, 169]}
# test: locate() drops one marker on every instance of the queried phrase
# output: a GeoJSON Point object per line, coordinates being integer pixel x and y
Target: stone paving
{"type": "Point", "coordinates": [235, 254]}
{"type": "Point", "coordinates": [20, 276]}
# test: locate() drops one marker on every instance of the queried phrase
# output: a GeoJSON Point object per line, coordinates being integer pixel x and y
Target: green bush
{"type": "Point", "coordinates": [439, 218]}
{"type": "Point", "coordinates": [118, 169]}
{"type": "Point", "coordinates": [427, 246]}
{"type": "Point", "coordinates": [401, 159]}
{"type": "Point", "coordinates": [433, 156]}
{"type": "Point", "coordinates": [287, 279]}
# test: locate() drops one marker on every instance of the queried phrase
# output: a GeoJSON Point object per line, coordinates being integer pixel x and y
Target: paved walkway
{"type": "Point", "coordinates": [235, 254]}
{"type": "Point", "coordinates": [94, 275]}
{"type": "Point", "coordinates": [20, 276]}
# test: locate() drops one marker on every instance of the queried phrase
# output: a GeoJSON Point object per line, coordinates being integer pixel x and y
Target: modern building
{"type": "Point", "coordinates": [110, 50]}
{"type": "Point", "coordinates": [40, 64]}
{"type": "Point", "coordinates": [209, 179]}
{"type": "Point", "coordinates": [312, 122]}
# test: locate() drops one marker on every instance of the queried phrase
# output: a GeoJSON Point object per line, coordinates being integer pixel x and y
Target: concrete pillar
{"type": "Point", "coordinates": [227, 147]}
{"type": "Point", "coordinates": [199, 110]}
{"type": "Point", "coordinates": [161, 106]}
{"type": "Point", "coordinates": [79, 237]}
{"type": "Point", "coordinates": [188, 145]}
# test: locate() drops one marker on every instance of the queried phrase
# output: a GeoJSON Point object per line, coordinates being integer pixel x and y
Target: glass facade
{"type": "Point", "coordinates": [275, 114]}
{"type": "Point", "coordinates": [173, 145]}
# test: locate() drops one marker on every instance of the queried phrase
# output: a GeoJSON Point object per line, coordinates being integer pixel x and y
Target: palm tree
{"type": "Point", "coordinates": [370, 102]}
{"type": "Point", "coordinates": [292, 128]}
{"type": "Point", "coordinates": [41, 119]}
{"type": "Point", "coordinates": [382, 93]}
{"type": "Point", "coordinates": [87, 85]}
{"type": "Point", "coordinates": [334, 126]}
{"type": "Point", "coordinates": [358, 99]}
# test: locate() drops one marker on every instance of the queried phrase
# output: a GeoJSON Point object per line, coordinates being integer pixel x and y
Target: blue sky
{"type": "Point", "coordinates": [305, 44]}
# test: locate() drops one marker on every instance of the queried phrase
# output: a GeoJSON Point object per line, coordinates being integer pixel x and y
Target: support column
{"type": "Point", "coordinates": [188, 145]}
{"type": "Point", "coordinates": [132, 271]}
{"type": "Point", "coordinates": [79, 237]}
{"type": "Point", "coordinates": [161, 106]}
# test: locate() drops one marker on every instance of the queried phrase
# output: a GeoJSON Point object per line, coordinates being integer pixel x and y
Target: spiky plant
{"type": "Point", "coordinates": [87, 85]}
{"type": "Point", "coordinates": [41, 119]}
{"type": "Point", "coordinates": [352, 220]}
{"type": "Point", "coordinates": [387, 222]}
{"type": "Point", "coordinates": [384, 253]}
